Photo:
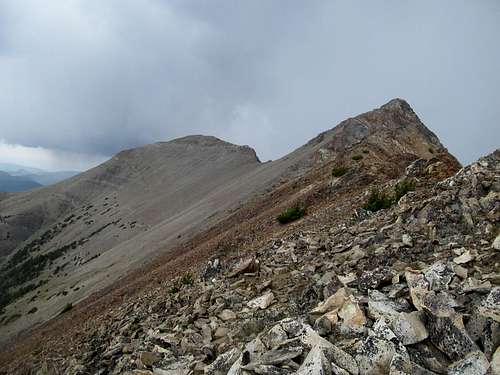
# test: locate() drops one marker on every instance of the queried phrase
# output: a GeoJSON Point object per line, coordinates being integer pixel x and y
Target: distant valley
{"type": "Point", "coordinates": [17, 178]}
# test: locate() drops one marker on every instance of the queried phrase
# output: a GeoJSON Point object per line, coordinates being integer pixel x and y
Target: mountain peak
{"type": "Point", "coordinates": [198, 139]}
{"type": "Point", "coordinates": [398, 104]}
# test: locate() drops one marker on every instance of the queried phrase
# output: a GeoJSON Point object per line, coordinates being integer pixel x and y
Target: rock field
{"type": "Point", "coordinates": [413, 289]}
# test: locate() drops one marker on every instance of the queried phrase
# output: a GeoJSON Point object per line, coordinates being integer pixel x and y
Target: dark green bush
{"type": "Point", "coordinates": [174, 289]}
{"type": "Point", "coordinates": [431, 150]}
{"type": "Point", "coordinates": [357, 157]}
{"type": "Point", "coordinates": [378, 200]}
{"type": "Point", "coordinates": [402, 188]}
{"type": "Point", "coordinates": [339, 171]}
{"type": "Point", "coordinates": [366, 152]}
{"type": "Point", "coordinates": [33, 310]}
{"type": "Point", "coordinates": [292, 214]}
{"type": "Point", "coordinates": [66, 308]}
{"type": "Point", "coordinates": [187, 279]}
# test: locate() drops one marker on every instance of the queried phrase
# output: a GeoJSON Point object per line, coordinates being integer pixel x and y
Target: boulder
{"type": "Point", "coordinates": [315, 363]}
{"type": "Point", "coordinates": [410, 328]}
{"type": "Point", "coordinates": [262, 302]}
{"type": "Point", "coordinates": [334, 302]}
{"type": "Point", "coordinates": [248, 265]}
{"type": "Point", "coordinates": [418, 286]}
{"type": "Point", "coordinates": [491, 305]}
{"type": "Point", "coordinates": [496, 243]}
{"type": "Point", "coordinates": [448, 334]}
{"type": "Point", "coordinates": [474, 363]}
{"type": "Point", "coordinates": [495, 362]}
{"type": "Point", "coordinates": [374, 356]}
{"type": "Point", "coordinates": [226, 315]}
{"type": "Point", "coordinates": [352, 315]}
{"type": "Point", "coordinates": [223, 363]}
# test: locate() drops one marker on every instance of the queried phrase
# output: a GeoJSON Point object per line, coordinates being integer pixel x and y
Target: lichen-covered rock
{"type": "Point", "coordinates": [223, 363]}
{"type": "Point", "coordinates": [410, 327]}
{"type": "Point", "coordinates": [315, 363]}
{"type": "Point", "coordinates": [400, 365]}
{"type": "Point", "coordinates": [261, 302]}
{"type": "Point", "coordinates": [418, 286]}
{"type": "Point", "coordinates": [474, 363]}
{"type": "Point", "coordinates": [491, 306]}
{"type": "Point", "coordinates": [374, 356]}
{"type": "Point", "coordinates": [448, 334]}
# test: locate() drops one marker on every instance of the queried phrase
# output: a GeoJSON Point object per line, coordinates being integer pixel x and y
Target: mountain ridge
{"type": "Point", "coordinates": [108, 221]}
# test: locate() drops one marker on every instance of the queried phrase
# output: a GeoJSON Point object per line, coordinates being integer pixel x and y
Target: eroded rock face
{"type": "Point", "coordinates": [410, 290]}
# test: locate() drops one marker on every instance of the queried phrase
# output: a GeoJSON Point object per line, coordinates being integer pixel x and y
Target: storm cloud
{"type": "Point", "coordinates": [89, 78]}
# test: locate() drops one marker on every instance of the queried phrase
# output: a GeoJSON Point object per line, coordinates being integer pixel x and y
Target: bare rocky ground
{"type": "Point", "coordinates": [409, 289]}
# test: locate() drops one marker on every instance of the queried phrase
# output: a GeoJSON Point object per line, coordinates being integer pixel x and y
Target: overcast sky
{"type": "Point", "coordinates": [83, 79]}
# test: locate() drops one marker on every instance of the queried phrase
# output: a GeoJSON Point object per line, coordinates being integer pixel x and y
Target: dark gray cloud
{"type": "Point", "coordinates": [92, 77]}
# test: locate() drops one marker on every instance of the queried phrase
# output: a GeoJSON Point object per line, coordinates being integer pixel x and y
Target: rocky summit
{"type": "Point", "coordinates": [393, 269]}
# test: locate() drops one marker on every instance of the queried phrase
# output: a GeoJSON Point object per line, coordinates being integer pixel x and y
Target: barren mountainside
{"type": "Point", "coordinates": [173, 262]}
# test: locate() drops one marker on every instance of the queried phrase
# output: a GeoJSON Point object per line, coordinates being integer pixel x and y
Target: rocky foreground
{"type": "Point", "coordinates": [409, 290]}
{"type": "Point", "coordinates": [413, 289]}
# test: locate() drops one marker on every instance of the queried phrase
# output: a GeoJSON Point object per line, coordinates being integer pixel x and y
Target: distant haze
{"type": "Point", "coordinates": [83, 79]}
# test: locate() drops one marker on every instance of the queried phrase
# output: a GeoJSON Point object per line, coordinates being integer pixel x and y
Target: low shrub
{"type": "Point", "coordinates": [187, 279]}
{"type": "Point", "coordinates": [357, 157]}
{"type": "Point", "coordinates": [366, 152]}
{"type": "Point", "coordinates": [174, 289]}
{"type": "Point", "coordinates": [292, 214]}
{"type": "Point", "coordinates": [66, 308]}
{"type": "Point", "coordinates": [339, 171]}
{"type": "Point", "coordinates": [402, 188]}
{"type": "Point", "coordinates": [378, 200]}
{"type": "Point", "coordinates": [431, 150]}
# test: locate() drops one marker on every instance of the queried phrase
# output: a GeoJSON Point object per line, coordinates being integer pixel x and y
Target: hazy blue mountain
{"type": "Point", "coordinates": [19, 170]}
{"type": "Point", "coordinates": [49, 178]}
{"type": "Point", "coordinates": [37, 175]}
{"type": "Point", "coordinates": [9, 183]}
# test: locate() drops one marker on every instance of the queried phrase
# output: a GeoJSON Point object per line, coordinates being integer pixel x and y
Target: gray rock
{"type": "Point", "coordinates": [380, 306]}
{"type": "Point", "coordinates": [374, 356]}
{"type": "Point", "coordinates": [491, 306]}
{"type": "Point", "coordinates": [448, 334]}
{"type": "Point", "coordinates": [439, 275]}
{"type": "Point", "coordinates": [466, 257]}
{"type": "Point", "coordinates": [474, 363]}
{"type": "Point", "coordinates": [226, 315]}
{"type": "Point", "coordinates": [400, 365]}
{"type": "Point", "coordinates": [315, 363]}
{"type": "Point", "coordinates": [274, 357]}
{"type": "Point", "coordinates": [341, 359]}
{"type": "Point", "coordinates": [262, 302]}
{"type": "Point", "coordinates": [275, 336]}
{"type": "Point", "coordinates": [223, 363]}
{"type": "Point", "coordinates": [418, 286]}
{"type": "Point", "coordinates": [407, 240]}
{"type": "Point", "coordinates": [410, 328]}
{"type": "Point", "coordinates": [248, 265]}
{"type": "Point", "coordinates": [496, 243]}
{"type": "Point", "coordinates": [148, 359]}
{"type": "Point", "coordinates": [495, 362]}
